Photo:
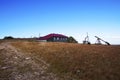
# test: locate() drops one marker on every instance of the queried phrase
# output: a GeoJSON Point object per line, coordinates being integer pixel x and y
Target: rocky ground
{"type": "Point", "coordinates": [16, 65]}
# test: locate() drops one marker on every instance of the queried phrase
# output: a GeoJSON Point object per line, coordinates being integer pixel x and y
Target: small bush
{"type": "Point", "coordinates": [72, 40]}
{"type": "Point", "coordinates": [8, 37]}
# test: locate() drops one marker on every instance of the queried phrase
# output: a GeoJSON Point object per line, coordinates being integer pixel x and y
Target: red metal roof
{"type": "Point", "coordinates": [52, 35]}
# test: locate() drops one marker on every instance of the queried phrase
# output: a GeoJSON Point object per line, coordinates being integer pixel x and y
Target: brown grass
{"type": "Point", "coordinates": [83, 62]}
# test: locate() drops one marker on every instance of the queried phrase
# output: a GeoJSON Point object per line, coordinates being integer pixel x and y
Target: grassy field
{"type": "Point", "coordinates": [81, 62]}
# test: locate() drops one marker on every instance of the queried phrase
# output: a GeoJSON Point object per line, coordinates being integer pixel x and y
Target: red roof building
{"type": "Point", "coordinates": [54, 38]}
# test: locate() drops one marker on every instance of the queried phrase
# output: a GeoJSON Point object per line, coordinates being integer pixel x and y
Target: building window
{"type": "Point", "coordinates": [57, 38]}
{"type": "Point", "coordinates": [65, 38]}
{"type": "Point", "coordinates": [54, 38]}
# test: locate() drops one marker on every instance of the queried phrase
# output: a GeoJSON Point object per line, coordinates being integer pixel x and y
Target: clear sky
{"type": "Point", "coordinates": [26, 18]}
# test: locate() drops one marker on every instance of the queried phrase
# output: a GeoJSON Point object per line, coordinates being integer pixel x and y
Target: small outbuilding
{"type": "Point", "coordinates": [54, 38]}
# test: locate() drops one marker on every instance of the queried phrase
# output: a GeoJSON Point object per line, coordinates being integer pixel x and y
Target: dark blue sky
{"type": "Point", "coordinates": [26, 18]}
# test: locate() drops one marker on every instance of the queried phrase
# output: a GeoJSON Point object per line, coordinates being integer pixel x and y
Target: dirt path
{"type": "Point", "coordinates": [15, 65]}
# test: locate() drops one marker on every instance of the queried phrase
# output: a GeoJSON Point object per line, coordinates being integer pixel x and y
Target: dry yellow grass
{"type": "Point", "coordinates": [83, 62]}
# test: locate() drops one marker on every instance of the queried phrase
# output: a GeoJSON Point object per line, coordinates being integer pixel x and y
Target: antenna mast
{"type": "Point", "coordinates": [86, 41]}
{"type": "Point", "coordinates": [39, 35]}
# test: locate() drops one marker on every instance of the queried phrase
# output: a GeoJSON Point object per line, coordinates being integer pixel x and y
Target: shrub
{"type": "Point", "coordinates": [8, 37]}
{"type": "Point", "coordinates": [72, 40]}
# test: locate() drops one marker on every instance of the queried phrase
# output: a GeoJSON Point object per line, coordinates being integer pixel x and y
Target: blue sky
{"type": "Point", "coordinates": [28, 18]}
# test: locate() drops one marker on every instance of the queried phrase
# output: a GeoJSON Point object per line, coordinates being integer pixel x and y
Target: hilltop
{"type": "Point", "coordinates": [28, 60]}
